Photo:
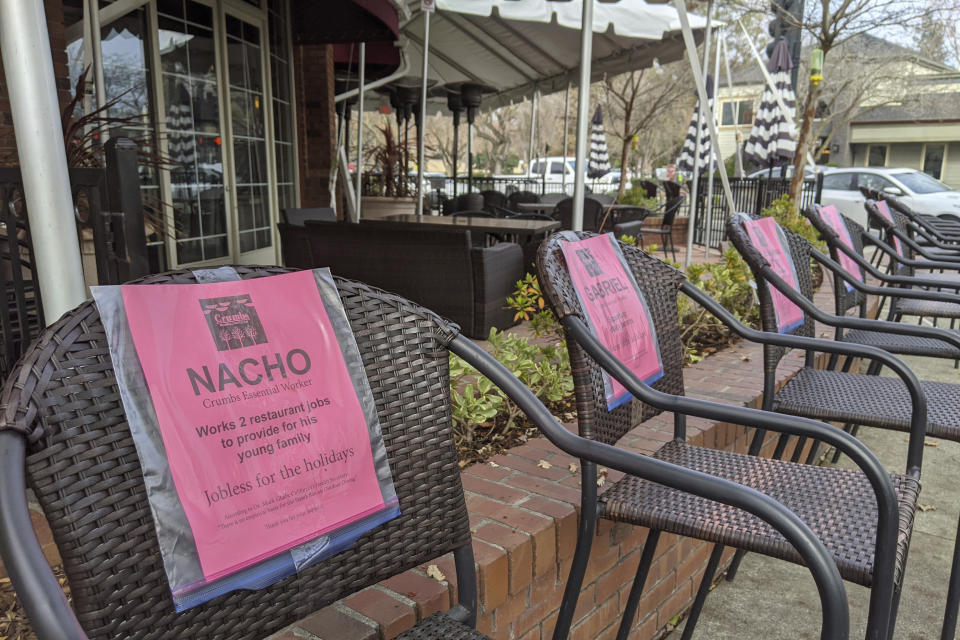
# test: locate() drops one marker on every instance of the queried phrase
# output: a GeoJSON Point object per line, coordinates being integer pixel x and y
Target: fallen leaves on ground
{"type": "Point", "coordinates": [434, 572]}
{"type": "Point", "coordinates": [543, 464]}
{"type": "Point", "coordinates": [926, 507]}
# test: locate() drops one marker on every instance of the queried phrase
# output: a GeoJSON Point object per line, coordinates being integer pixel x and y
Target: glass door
{"type": "Point", "coordinates": [248, 139]}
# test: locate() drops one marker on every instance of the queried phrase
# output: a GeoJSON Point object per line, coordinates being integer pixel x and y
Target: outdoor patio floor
{"type": "Point", "coordinates": [775, 599]}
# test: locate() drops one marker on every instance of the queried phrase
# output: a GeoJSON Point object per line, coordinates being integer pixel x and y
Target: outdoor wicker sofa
{"type": "Point", "coordinates": [439, 269]}
{"type": "Point", "coordinates": [868, 542]}
{"type": "Point", "coordinates": [63, 426]}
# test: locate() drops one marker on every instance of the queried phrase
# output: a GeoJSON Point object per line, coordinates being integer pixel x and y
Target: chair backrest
{"type": "Point", "coordinates": [649, 187]}
{"type": "Point", "coordinates": [671, 188]}
{"type": "Point", "coordinates": [844, 300]}
{"type": "Point", "coordinates": [493, 199]}
{"type": "Point", "coordinates": [902, 224]}
{"type": "Point", "coordinates": [553, 198]}
{"type": "Point", "coordinates": [297, 217]}
{"type": "Point", "coordinates": [670, 210]}
{"type": "Point", "coordinates": [296, 246]}
{"type": "Point", "coordinates": [469, 202]}
{"type": "Point", "coordinates": [517, 197]}
{"type": "Point", "coordinates": [602, 198]}
{"type": "Point", "coordinates": [592, 213]}
{"type": "Point", "coordinates": [800, 253]}
{"type": "Point", "coordinates": [659, 283]}
{"type": "Point", "coordinates": [83, 467]}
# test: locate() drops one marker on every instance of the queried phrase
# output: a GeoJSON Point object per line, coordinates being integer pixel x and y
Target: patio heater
{"type": "Point", "coordinates": [455, 106]}
{"type": "Point", "coordinates": [471, 96]}
{"type": "Point", "coordinates": [409, 99]}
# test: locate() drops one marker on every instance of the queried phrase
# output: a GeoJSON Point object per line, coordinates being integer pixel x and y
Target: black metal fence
{"type": "Point", "coordinates": [373, 185]}
{"type": "Point", "coordinates": [109, 215]}
{"type": "Point", "coordinates": [750, 195]}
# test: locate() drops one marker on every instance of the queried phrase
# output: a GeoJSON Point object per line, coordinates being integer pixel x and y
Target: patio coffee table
{"type": "Point", "coordinates": [492, 225]}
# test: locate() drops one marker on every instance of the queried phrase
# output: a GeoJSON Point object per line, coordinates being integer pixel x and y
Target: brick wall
{"type": "Point", "coordinates": [316, 121]}
{"type": "Point", "coordinates": [58, 45]}
{"type": "Point", "coordinates": [524, 525]}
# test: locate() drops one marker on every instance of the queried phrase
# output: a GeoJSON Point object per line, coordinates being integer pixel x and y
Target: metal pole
{"type": "Point", "coordinates": [423, 112]}
{"type": "Point", "coordinates": [691, 47]}
{"type": "Point", "coordinates": [566, 116]}
{"type": "Point", "coordinates": [363, 77]}
{"type": "Point", "coordinates": [28, 67]}
{"type": "Point", "coordinates": [695, 184]}
{"type": "Point", "coordinates": [739, 138]}
{"type": "Point", "coordinates": [716, 76]}
{"type": "Point", "coordinates": [583, 108]}
{"type": "Point", "coordinates": [456, 149]}
{"type": "Point", "coordinates": [96, 55]}
{"type": "Point", "coordinates": [533, 126]}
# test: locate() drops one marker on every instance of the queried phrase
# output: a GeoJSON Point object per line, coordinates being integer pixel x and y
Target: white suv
{"type": "Point", "coordinates": [918, 190]}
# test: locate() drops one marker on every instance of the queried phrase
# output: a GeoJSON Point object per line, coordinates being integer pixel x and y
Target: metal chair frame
{"type": "Point", "coordinates": [581, 341]}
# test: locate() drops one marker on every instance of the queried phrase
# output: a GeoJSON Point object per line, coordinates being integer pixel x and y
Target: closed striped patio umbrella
{"type": "Point", "coordinates": [599, 158]}
{"type": "Point", "coordinates": [773, 139]}
{"type": "Point", "coordinates": [685, 162]}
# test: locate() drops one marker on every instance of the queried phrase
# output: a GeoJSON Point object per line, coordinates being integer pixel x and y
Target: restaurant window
{"type": "Point", "coordinates": [877, 155]}
{"type": "Point", "coordinates": [736, 112]}
{"type": "Point", "coordinates": [933, 159]}
{"type": "Point", "coordinates": [284, 138]}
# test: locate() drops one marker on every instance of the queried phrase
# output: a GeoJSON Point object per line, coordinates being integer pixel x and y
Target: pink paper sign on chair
{"type": "Point", "coordinates": [615, 310]}
{"type": "Point", "coordinates": [885, 212]}
{"type": "Point", "coordinates": [832, 217]}
{"type": "Point", "coordinates": [262, 426]}
{"type": "Point", "coordinates": [769, 240]}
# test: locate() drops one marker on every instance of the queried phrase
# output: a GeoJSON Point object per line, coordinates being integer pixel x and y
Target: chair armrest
{"type": "Point", "coordinates": [873, 271]}
{"type": "Point", "coordinates": [630, 228]}
{"type": "Point", "coordinates": [37, 588]}
{"type": "Point", "coordinates": [906, 281]}
{"type": "Point", "coordinates": [913, 244]}
{"type": "Point", "coordinates": [818, 560]}
{"type": "Point", "coordinates": [910, 262]}
{"type": "Point", "coordinates": [918, 416]}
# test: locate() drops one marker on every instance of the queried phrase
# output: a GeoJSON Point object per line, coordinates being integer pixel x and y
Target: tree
{"type": "Point", "coordinates": [826, 25]}
{"type": "Point", "coordinates": [647, 104]}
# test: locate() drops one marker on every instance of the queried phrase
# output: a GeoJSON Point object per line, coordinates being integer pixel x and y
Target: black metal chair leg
{"type": "Point", "coordinates": [836, 453]}
{"type": "Point", "coordinates": [782, 442]}
{"type": "Point", "coordinates": [798, 449]}
{"type": "Point", "coordinates": [814, 454]}
{"type": "Point", "coordinates": [735, 565]}
{"type": "Point", "coordinates": [633, 600]}
{"type": "Point", "coordinates": [585, 530]}
{"type": "Point", "coordinates": [702, 592]}
{"type": "Point", "coordinates": [949, 629]}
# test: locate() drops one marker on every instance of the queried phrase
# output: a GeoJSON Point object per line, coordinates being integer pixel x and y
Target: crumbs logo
{"type": "Point", "coordinates": [233, 322]}
{"type": "Point", "coordinates": [589, 263]}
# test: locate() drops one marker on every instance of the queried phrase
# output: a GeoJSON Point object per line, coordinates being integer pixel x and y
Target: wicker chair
{"type": "Point", "coordinates": [63, 423]}
{"type": "Point", "coordinates": [853, 398]}
{"type": "Point", "coordinates": [840, 506]}
{"type": "Point", "coordinates": [518, 197]}
{"type": "Point", "coordinates": [903, 231]}
{"type": "Point", "coordinates": [669, 211]}
{"type": "Point", "coordinates": [945, 227]}
{"type": "Point", "coordinates": [903, 286]}
{"type": "Point", "coordinates": [592, 213]}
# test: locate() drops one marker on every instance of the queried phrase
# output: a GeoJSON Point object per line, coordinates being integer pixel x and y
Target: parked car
{"type": "Point", "coordinates": [918, 190]}
{"type": "Point", "coordinates": [777, 172]}
{"type": "Point", "coordinates": [552, 169]}
{"type": "Point", "coordinates": [611, 180]}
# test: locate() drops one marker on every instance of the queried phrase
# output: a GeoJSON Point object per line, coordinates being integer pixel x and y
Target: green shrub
{"type": "Point", "coordinates": [787, 216]}
{"type": "Point", "coordinates": [529, 304]}
{"type": "Point", "coordinates": [637, 196]}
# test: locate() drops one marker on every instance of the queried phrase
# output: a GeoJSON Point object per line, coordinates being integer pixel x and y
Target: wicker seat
{"type": "Point", "coordinates": [839, 506]}
{"type": "Point", "coordinates": [869, 400]}
{"type": "Point", "coordinates": [902, 345]}
{"type": "Point", "coordinates": [62, 404]}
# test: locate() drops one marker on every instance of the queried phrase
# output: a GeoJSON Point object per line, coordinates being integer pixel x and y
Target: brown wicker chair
{"type": "Point", "coordinates": [853, 398]}
{"type": "Point", "coordinates": [63, 423]}
{"type": "Point", "coordinates": [868, 542]}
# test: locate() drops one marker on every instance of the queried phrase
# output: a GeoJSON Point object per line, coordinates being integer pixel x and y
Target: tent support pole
{"type": "Point", "coordinates": [28, 66]}
{"type": "Point", "coordinates": [566, 117]}
{"type": "Point", "coordinates": [423, 112]}
{"type": "Point", "coordinates": [533, 127]}
{"type": "Point", "coordinates": [583, 107]}
{"type": "Point", "coordinates": [702, 95]}
{"type": "Point", "coordinates": [716, 76]}
{"type": "Point", "coordinates": [726, 65]}
{"type": "Point", "coordinates": [361, 90]}
{"type": "Point", "coordinates": [695, 183]}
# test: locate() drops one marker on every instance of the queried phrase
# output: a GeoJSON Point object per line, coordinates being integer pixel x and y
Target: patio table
{"type": "Point", "coordinates": [492, 225]}
{"type": "Point", "coordinates": [536, 207]}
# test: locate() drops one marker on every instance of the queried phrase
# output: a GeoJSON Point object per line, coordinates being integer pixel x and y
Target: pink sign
{"type": "Point", "coordinates": [832, 217]}
{"type": "Point", "coordinates": [885, 212]}
{"type": "Point", "coordinates": [767, 238]}
{"type": "Point", "coordinates": [616, 310]}
{"type": "Point", "coordinates": [264, 434]}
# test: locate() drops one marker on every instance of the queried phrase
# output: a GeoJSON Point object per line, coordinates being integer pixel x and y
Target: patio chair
{"type": "Point", "coordinates": [665, 233]}
{"type": "Point", "coordinates": [603, 198]}
{"type": "Point", "coordinates": [592, 213]}
{"type": "Point", "coordinates": [492, 200]}
{"type": "Point", "coordinates": [650, 188]}
{"type": "Point", "coordinates": [944, 227]}
{"type": "Point", "coordinates": [902, 277]}
{"type": "Point", "coordinates": [898, 230]}
{"type": "Point", "coordinates": [517, 197]}
{"type": "Point", "coordinates": [852, 398]}
{"type": "Point", "coordinates": [840, 506]}
{"type": "Point", "coordinates": [64, 426]}
{"type": "Point", "coordinates": [531, 242]}
{"type": "Point", "coordinates": [469, 202]}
